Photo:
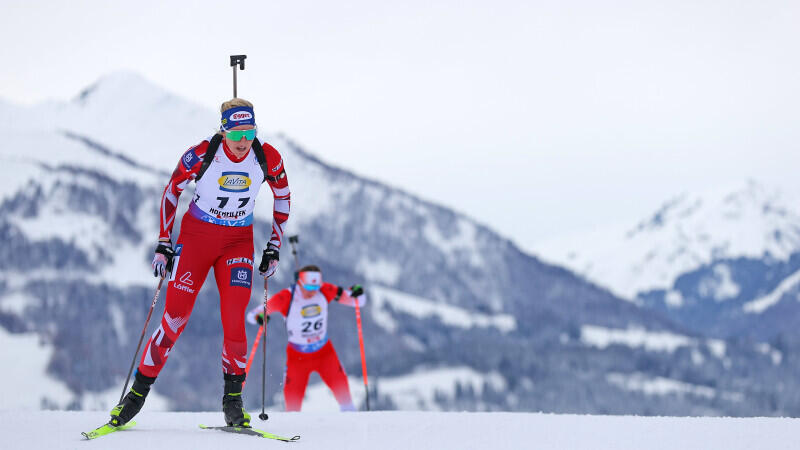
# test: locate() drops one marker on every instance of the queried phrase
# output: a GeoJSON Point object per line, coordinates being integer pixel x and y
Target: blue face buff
{"type": "Point", "coordinates": [238, 115]}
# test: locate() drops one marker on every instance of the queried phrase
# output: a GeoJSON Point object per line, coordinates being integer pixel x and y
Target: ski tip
{"type": "Point", "coordinates": [291, 439]}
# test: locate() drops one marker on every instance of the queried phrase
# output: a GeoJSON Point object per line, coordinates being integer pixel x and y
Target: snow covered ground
{"type": "Point", "coordinates": [406, 430]}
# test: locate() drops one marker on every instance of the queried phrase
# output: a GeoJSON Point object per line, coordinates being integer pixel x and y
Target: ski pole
{"type": "Point", "coordinates": [236, 61]}
{"type": "Point", "coordinates": [144, 330]}
{"type": "Point", "coordinates": [363, 358]}
{"type": "Point", "coordinates": [294, 240]}
{"type": "Point", "coordinates": [252, 354]}
{"type": "Point", "coordinates": [263, 415]}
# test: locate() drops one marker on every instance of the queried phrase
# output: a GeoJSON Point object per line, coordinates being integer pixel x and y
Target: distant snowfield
{"type": "Point", "coordinates": [760, 304]}
{"type": "Point", "coordinates": [686, 233]}
{"type": "Point", "coordinates": [602, 337]}
{"type": "Point", "coordinates": [406, 430]}
{"type": "Point", "coordinates": [422, 308]}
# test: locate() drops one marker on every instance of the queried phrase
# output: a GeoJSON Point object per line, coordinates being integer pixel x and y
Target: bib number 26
{"type": "Point", "coordinates": [308, 325]}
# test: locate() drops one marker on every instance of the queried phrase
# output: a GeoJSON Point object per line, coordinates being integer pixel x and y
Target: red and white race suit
{"type": "Point", "coordinates": [216, 232]}
{"type": "Point", "coordinates": [308, 348]}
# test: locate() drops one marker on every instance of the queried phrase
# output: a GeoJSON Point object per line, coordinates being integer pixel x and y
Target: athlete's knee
{"type": "Point", "coordinates": [173, 324]}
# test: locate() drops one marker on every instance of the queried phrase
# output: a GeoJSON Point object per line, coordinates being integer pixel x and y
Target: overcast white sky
{"type": "Point", "coordinates": [536, 118]}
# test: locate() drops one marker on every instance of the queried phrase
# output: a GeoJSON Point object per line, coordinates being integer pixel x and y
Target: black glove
{"type": "Point", "coordinates": [356, 290]}
{"type": "Point", "coordinates": [260, 318]}
{"type": "Point", "coordinates": [162, 261]}
{"type": "Point", "coordinates": [269, 261]}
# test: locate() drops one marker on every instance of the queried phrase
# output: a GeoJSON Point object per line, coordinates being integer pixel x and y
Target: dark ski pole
{"type": "Point", "coordinates": [237, 61]}
{"type": "Point", "coordinates": [294, 240]}
{"type": "Point", "coordinates": [263, 415]}
{"type": "Point", "coordinates": [139, 346]}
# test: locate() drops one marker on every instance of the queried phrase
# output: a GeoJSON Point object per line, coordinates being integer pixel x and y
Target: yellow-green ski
{"type": "Point", "coordinates": [252, 432]}
{"type": "Point", "coordinates": [106, 429]}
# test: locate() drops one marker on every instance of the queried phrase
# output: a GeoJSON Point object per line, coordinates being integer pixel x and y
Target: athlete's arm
{"type": "Point", "coordinates": [186, 171]}
{"type": "Point", "coordinates": [252, 315]}
{"type": "Point", "coordinates": [276, 178]}
{"type": "Point", "coordinates": [279, 303]}
{"type": "Point", "coordinates": [348, 299]}
{"type": "Point", "coordinates": [344, 296]}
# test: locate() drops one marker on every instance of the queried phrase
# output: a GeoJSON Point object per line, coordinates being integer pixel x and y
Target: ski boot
{"type": "Point", "coordinates": [232, 405]}
{"type": "Point", "coordinates": [132, 402]}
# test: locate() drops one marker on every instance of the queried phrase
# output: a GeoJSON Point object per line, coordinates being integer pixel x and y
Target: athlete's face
{"type": "Point", "coordinates": [309, 283]}
{"type": "Point", "coordinates": [239, 148]}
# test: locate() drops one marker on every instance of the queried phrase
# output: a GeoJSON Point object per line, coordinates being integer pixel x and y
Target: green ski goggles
{"type": "Point", "coordinates": [237, 135]}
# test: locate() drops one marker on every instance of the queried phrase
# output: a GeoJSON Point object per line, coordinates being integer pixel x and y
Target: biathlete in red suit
{"type": "Point", "coordinates": [216, 232]}
{"type": "Point", "coordinates": [309, 349]}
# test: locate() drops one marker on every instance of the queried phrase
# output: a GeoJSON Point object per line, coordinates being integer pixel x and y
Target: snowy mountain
{"type": "Point", "coordinates": [723, 263]}
{"type": "Point", "coordinates": [459, 317]}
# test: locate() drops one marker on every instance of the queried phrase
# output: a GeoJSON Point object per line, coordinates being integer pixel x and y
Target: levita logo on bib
{"type": "Point", "coordinates": [311, 311]}
{"type": "Point", "coordinates": [234, 181]}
